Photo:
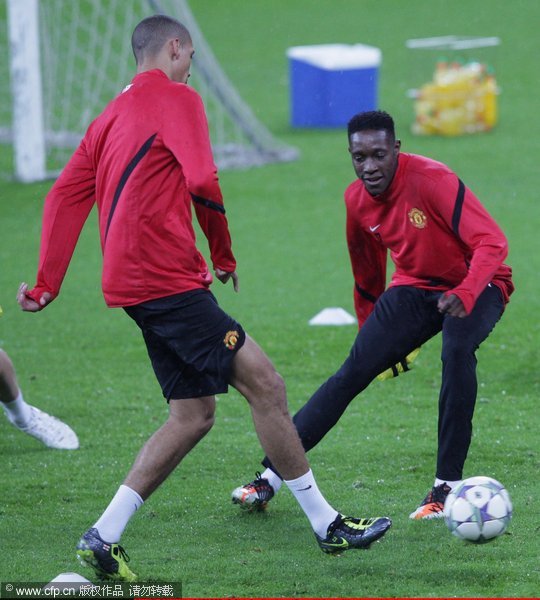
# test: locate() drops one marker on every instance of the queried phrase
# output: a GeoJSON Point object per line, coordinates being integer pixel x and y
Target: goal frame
{"type": "Point", "coordinates": [245, 142]}
{"type": "Point", "coordinates": [26, 89]}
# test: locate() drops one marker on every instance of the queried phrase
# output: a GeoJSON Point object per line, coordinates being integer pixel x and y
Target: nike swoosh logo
{"type": "Point", "coordinates": [372, 229]}
{"type": "Point", "coordinates": [342, 544]}
{"type": "Point", "coordinates": [304, 489]}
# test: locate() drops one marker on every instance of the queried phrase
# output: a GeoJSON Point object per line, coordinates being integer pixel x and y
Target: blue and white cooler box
{"type": "Point", "coordinates": [329, 83]}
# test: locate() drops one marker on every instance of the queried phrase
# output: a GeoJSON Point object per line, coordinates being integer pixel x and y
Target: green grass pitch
{"type": "Point", "coordinates": [87, 364]}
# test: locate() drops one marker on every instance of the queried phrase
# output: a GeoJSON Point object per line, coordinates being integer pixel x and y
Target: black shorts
{"type": "Point", "coordinates": [191, 342]}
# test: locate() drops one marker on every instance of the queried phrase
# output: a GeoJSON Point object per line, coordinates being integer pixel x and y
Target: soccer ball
{"type": "Point", "coordinates": [478, 510]}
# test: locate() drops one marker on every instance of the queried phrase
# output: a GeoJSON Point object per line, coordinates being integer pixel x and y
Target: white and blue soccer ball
{"type": "Point", "coordinates": [478, 510]}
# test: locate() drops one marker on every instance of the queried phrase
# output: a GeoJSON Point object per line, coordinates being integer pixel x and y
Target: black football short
{"type": "Point", "coordinates": [191, 342]}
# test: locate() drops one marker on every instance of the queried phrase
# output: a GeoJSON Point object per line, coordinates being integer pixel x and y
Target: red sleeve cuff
{"type": "Point", "coordinates": [36, 293]}
{"type": "Point", "coordinates": [465, 297]}
{"type": "Point", "coordinates": [227, 265]}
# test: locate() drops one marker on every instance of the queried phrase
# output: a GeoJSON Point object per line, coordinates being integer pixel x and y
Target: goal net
{"type": "Point", "coordinates": [84, 59]}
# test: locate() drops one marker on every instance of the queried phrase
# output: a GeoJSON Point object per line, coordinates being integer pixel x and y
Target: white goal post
{"type": "Point", "coordinates": [68, 58]}
{"type": "Point", "coordinates": [25, 77]}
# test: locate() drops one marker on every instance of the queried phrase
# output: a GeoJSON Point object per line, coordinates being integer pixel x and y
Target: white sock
{"type": "Point", "coordinates": [451, 484]}
{"type": "Point", "coordinates": [113, 521]}
{"type": "Point", "coordinates": [273, 479]}
{"type": "Point", "coordinates": [313, 503]}
{"type": "Point", "coordinates": [17, 411]}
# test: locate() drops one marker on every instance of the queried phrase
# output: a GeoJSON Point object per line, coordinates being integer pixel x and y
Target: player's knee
{"type": "Point", "coordinates": [456, 351]}
{"type": "Point", "coordinates": [203, 422]}
{"type": "Point", "coordinates": [269, 391]}
{"type": "Point", "coordinates": [195, 420]}
{"type": "Point", "coordinates": [272, 383]}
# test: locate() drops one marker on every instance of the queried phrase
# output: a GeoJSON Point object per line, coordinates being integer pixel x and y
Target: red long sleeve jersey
{"type": "Point", "coordinates": [143, 161]}
{"type": "Point", "coordinates": [439, 236]}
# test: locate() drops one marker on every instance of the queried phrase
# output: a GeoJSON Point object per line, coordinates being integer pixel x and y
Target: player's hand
{"type": "Point", "coordinates": [224, 276]}
{"type": "Point", "coordinates": [29, 305]}
{"type": "Point", "coordinates": [402, 367]}
{"type": "Point", "coordinates": [451, 305]}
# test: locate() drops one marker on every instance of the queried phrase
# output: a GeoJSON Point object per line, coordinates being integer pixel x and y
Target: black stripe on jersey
{"type": "Point", "coordinates": [365, 294]}
{"type": "Point", "coordinates": [125, 176]}
{"type": "Point", "coordinates": [456, 216]}
{"type": "Point", "coordinates": [208, 203]}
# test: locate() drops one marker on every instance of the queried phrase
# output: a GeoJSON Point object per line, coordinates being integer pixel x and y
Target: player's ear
{"type": "Point", "coordinates": [174, 49]}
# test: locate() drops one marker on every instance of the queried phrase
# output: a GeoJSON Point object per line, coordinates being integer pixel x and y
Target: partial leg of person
{"type": "Point", "coordinates": [171, 328]}
{"type": "Point", "coordinates": [403, 319]}
{"type": "Point", "coordinates": [460, 340]}
{"type": "Point", "coordinates": [9, 388]}
{"type": "Point", "coordinates": [254, 376]}
{"type": "Point", "coordinates": [188, 422]}
{"type": "Point", "coordinates": [47, 429]}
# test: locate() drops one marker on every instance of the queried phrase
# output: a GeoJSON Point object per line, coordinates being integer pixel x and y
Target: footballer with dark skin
{"type": "Point", "coordinates": [449, 278]}
{"type": "Point", "coordinates": [375, 160]}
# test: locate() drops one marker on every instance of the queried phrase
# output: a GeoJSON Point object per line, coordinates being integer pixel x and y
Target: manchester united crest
{"type": "Point", "coordinates": [417, 218]}
{"type": "Point", "coordinates": [231, 339]}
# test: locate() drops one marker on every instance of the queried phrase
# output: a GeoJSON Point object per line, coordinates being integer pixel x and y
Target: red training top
{"type": "Point", "coordinates": [142, 161]}
{"type": "Point", "coordinates": [439, 235]}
